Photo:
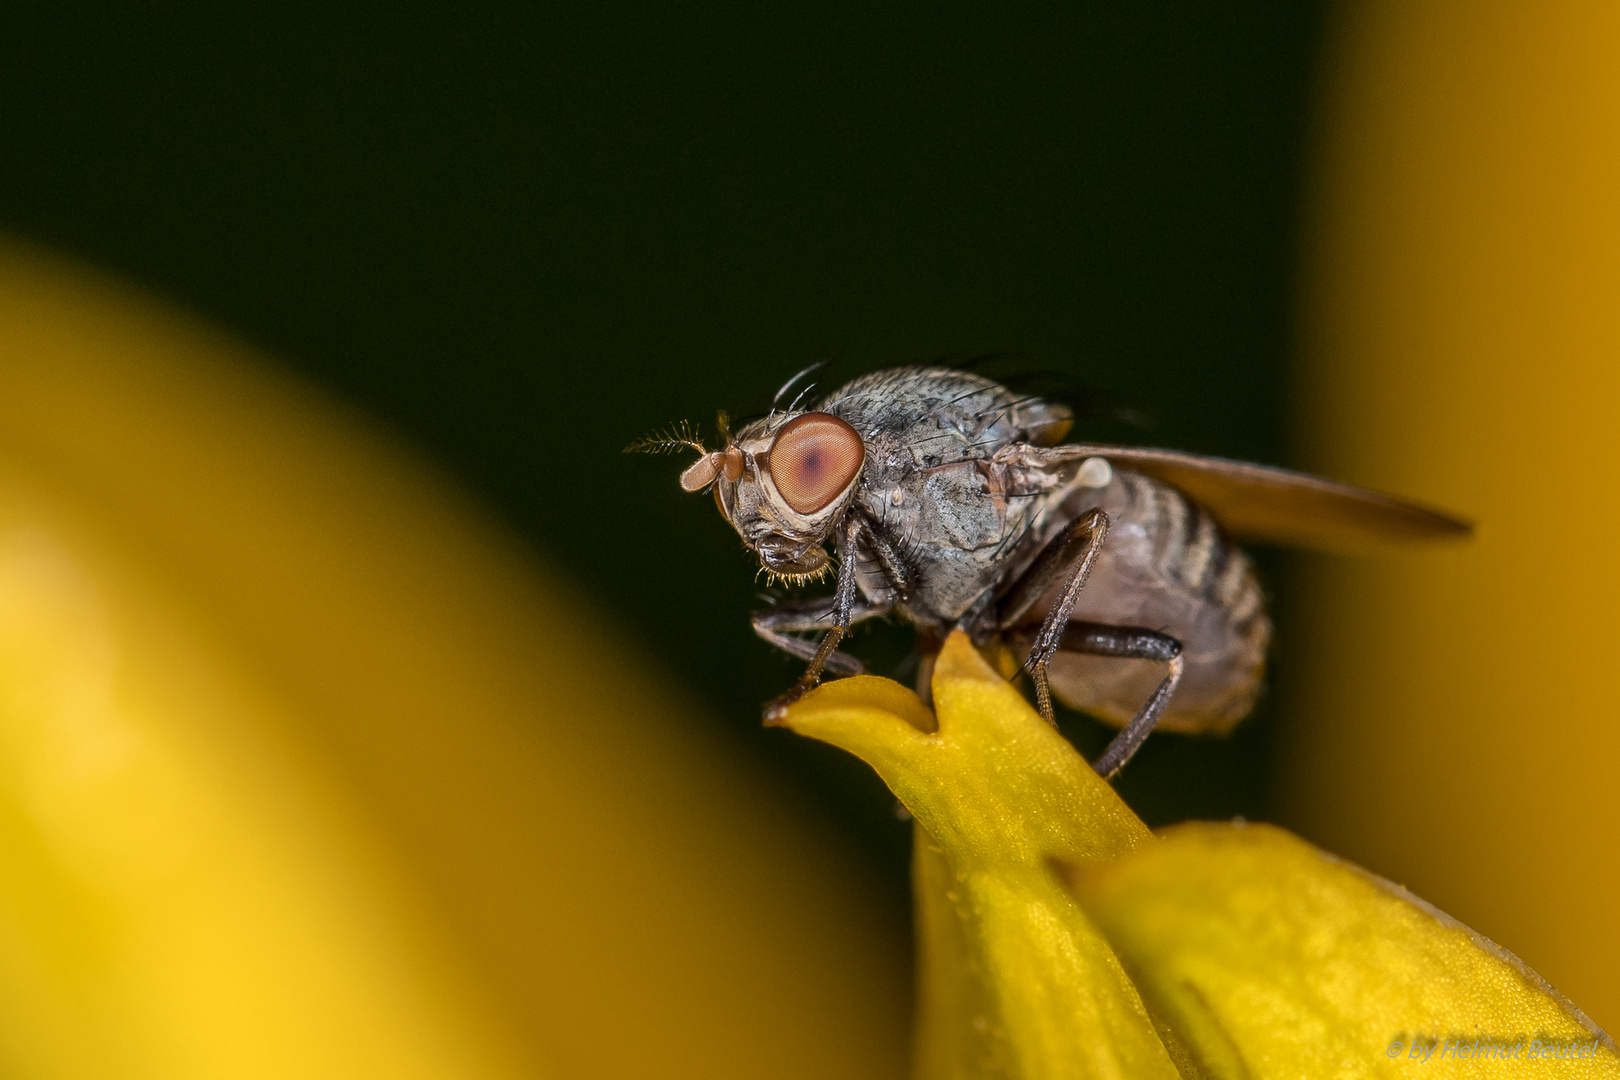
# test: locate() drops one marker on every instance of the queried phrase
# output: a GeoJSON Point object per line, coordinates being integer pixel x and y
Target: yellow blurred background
{"type": "Point", "coordinates": [1452, 718]}
{"type": "Point", "coordinates": [307, 770]}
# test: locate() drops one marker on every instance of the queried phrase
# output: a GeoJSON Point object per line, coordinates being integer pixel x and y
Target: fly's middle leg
{"type": "Point", "coordinates": [1067, 558]}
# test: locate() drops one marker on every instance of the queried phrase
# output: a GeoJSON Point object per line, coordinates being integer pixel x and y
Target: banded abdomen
{"type": "Point", "coordinates": [1165, 566]}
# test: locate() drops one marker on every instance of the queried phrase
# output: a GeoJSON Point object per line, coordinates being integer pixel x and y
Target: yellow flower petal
{"type": "Point", "coordinates": [1227, 951]}
{"type": "Point", "coordinates": [1272, 958]}
{"type": "Point", "coordinates": [1014, 980]}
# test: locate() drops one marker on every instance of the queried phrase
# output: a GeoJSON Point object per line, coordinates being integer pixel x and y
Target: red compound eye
{"type": "Point", "coordinates": [814, 458]}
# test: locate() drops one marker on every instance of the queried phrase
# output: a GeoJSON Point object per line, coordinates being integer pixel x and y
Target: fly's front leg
{"type": "Point", "coordinates": [778, 623]}
{"type": "Point", "coordinates": [1131, 643]}
{"type": "Point", "coordinates": [843, 611]}
{"type": "Point", "coordinates": [1069, 557]}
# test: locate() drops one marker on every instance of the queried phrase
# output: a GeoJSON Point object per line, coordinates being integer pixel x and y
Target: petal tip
{"type": "Point", "coordinates": [960, 659]}
{"type": "Point", "coordinates": [858, 692]}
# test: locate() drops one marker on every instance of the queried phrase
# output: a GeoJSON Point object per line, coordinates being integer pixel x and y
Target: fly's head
{"type": "Point", "coordinates": [782, 482]}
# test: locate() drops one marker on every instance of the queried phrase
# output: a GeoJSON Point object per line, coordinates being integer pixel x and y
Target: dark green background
{"type": "Point", "coordinates": [524, 236]}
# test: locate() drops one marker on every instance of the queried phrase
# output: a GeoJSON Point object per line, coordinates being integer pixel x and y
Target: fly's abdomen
{"type": "Point", "coordinates": [1166, 566]}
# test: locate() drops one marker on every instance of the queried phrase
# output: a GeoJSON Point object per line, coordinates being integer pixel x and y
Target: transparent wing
{"type": "Point", "coordinates": [1277, 506]}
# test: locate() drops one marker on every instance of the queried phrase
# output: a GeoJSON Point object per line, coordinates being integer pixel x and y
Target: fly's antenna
{"type": "Point", "coordinates": [722, 421]}
{"type": "Point", "coordinates": [676, 437]}
{"type": "Point", "coordinates": [780, 394]}
{"type": "Point", "coordinates": [682, 436]}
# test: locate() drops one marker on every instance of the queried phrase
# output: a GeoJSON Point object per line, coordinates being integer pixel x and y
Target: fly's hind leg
{"type": "Point", "coordinates": [1131, 643]}
{"type": "Point", "coordinates": [1068, 558]}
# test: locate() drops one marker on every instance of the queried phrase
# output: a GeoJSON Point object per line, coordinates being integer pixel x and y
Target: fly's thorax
{"type": "Point", "coordinates": [954, 526]}
{"type": "Point", "coordinates": [784, 482]}
{"type": "Point", "coordinates": [941, 415]}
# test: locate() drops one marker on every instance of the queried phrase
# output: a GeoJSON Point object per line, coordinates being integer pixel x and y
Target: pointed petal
{"type": "Point", "coordinates": [1273, 958]}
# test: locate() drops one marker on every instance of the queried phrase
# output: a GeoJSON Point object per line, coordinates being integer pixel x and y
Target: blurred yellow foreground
{"type": "Point", "coordinates": [306, 772]}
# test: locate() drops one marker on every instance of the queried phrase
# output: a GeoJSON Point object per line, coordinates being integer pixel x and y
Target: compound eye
{"type": "Point", "coordinates": [814, 458]}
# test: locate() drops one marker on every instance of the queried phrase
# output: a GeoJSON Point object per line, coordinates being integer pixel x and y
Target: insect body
{"type": "Point", "coordinates": [952, 504]}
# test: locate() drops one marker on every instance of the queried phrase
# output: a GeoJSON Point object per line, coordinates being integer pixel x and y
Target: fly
{"type": "Point", "coordinates": [1112, 572]}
